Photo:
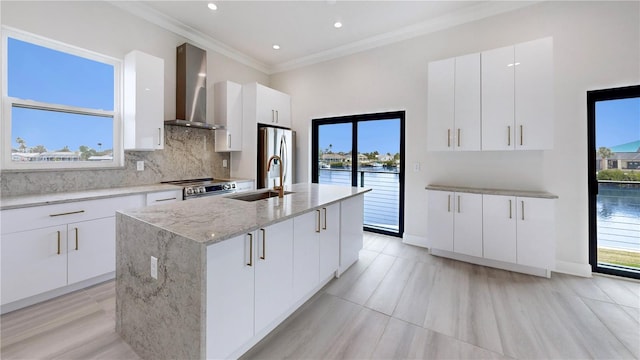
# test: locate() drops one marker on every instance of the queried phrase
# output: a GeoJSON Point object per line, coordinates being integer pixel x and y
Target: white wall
{"type": "Point", "coordinates": [596, 45]}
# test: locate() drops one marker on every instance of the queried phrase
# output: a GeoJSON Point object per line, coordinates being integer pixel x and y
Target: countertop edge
{"type": "Point", "coordinates": [26, 201]}
{"type": "Point", "coordinates": [503, 192]}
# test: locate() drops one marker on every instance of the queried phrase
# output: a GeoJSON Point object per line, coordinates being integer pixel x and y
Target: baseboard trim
{"type": "Point", "coordinates": [571, 268]}
{"type": "Point", "coordinates": [414, 240]}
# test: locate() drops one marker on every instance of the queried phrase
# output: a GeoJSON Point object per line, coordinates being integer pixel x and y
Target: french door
{"type": "Point", "coordinates": [366, 151]}
{"type": "Point", "coordinates": [614, 181]}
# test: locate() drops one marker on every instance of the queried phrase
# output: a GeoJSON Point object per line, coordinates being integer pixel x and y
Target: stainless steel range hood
{"type": "Point", "coordinates": [191, 88]}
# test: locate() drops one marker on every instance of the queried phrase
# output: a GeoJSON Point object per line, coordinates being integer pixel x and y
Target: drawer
{"type": "Point", "coordinates": [164, 197]}
{"type": "Point", "coordinates": [51, 215]}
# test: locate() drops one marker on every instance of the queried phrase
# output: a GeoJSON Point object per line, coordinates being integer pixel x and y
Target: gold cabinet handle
{"type": "Point", "coordinates": [521, 132]}
{"type": "Point", "coordinates": [448, 137]}
{"type": "Point", "coordinates": [58, 242]}
{"type": "Point", "coordinates": [250, 249]}
{"type": "Point", "coordinates": [509, 208]}
{"type": "Point", "coordinates": [318, 222]}
{"type": "Point", "coordinates": [229, 141]}
{"type": "Point", "coordinates": [76, 238]}
{"type": "Point", "coordinates": [522, 202]}
{"type": "Point", "coordinates": [458, 203]}
{"type": "Point", "coordinates": [458, 137]}
{"type": "Point", "coordinates": [67, 213]}
{"type": "Point", "coordinates": [325, 219]}
{"type": "Point", "coordinates": [273, 116]}
{"type": "Point", "coordinates": [167, 199]}
{"type": "Point", "coordinates": [448, 203]}
{"type": "Point", "coordinates": [508, 135]}
{"type": "Point", "coordinates": [159, 136]}
{"type": "Point", "coordinates": [264, 236]}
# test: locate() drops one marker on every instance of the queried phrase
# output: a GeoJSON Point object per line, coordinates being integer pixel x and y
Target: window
{"type": "Point", "coordinates": [61, 106]}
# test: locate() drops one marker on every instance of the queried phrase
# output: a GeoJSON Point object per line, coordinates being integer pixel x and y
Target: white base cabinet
{"type": "Point", "coordinates": [351, 231]}
{"type": "Point", "coordinates": [330, 240]}
{"type": "Point", "coordinates": [501, 228]}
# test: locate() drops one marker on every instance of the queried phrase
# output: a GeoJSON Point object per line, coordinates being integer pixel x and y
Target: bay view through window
{"type": "Point", "coordinates": [61, 105]}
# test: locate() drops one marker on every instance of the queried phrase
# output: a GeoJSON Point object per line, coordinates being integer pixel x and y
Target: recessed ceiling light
{"type": "Point", "coordinates": [212, 6]}
{"type": "Point", "coordinates": [337, 25]}
{"type": "Point", "coordinates": [276, 47]}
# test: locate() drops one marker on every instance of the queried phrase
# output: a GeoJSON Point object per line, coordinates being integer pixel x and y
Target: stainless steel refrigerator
{"type": "Point", "coordinates": [275, 141]}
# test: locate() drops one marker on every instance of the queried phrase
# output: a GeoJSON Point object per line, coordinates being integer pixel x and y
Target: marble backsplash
{"type": "Point", "coordinates": [188, 153]}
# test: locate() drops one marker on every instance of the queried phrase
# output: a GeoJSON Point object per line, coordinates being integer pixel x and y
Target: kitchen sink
{"type": "Point", "coordinates": [255, 196]}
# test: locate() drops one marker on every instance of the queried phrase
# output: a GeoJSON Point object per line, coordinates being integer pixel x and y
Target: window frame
{"type": "Point", "coordinates": [9, 102]}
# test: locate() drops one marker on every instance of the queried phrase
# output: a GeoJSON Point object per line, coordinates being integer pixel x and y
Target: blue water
{"type": "Point", "coordinates": [618, 211]}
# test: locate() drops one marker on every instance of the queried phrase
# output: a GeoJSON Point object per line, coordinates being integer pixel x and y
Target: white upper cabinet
{"type": "Point", "coordinates": [498, 99]}
{"type": "Point", "coordinates": [534, 95]}
{"type": "Point", "coordinates": [517, 97]}
{"type": "Point", "coordinates": [228, 113]}
{"type": "Point", "coordinates": [143, 102]}
{"type": "Point", "coordinates": [440, 105]}
{"type": "Point", "coordinates": [272, 106]}
{"type": "Point", "coordinates": [467, 103]}
{"type": "Point", "coordinates": [453, 110]}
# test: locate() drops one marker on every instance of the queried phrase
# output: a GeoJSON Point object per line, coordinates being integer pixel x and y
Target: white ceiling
{"type": "Point", "coordinates": [246, 30]}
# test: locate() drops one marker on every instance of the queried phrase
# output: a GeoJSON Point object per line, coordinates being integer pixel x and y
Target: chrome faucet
{"type": "Point", "coordinates": [280, 188]}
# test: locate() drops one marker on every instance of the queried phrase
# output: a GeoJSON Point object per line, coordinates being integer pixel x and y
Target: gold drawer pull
{"type": "Point", "coordinates": [458, 137]}
{"type": "Point", "coordinates": [67, 213]}
{"type": "Point", "coordinates": [510, 209]}
{"type": "Point", "coordinates": [58, 242]}
{"type": "Point", "coordinates": [264, 236]}
{"type": "Point", "coordinates": [250, 249]}
{"type": "Point", "coordinates": [325, 219]}
{"type": "Point", "coordinates": [448, 137]}
{"type": "Point", "coordinates": [76, 238]}
{"type": "Point", "coordinates": [508, 135]}
{"type": "Point", "coordinates": [167, 199]}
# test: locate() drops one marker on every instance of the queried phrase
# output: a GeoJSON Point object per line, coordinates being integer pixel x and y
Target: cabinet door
{"type": "Point", "coordinates": [143, 102]}
{"type": "Point", "coordinates": [306, 253]}
{"type": "Point", "coordinates": [536, 232]}
{"type": "Point", "coordinates": [440, 105]}
{"type": "Point", "coordinates": [351, 233]}
{"type": "Point", "coordinates": [274, 268]}
{"type": "Point", "coordinates": [499, 227]}
{"type": "Point", "coordinates": [467, 224]}
{"type": "Point", "coordinates": [467, 103]}
{"type": "Point", "coordinates": [91, 249]}
{"type": "Point", "coordinates": [265, 109]}
{"type": "Point", "coordinates": [440, 210]}
{"type": "Point", "coordinates": [230, 296]}
{"type": "Point", "coordinates": [498, 99]}
{"type": "Point", "coordinates": [282, 104]}
{"type": "Point", "coordinates": [33, 262]}
{"type": "Point", "coordinates": [329, 241]}
{"type": "Point", "coordinates": [228, 113]}
{"type": "Point", "coordinates": [534, 94]}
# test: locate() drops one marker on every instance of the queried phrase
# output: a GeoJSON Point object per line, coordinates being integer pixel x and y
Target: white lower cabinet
{"type": "Point", "coordinates": [351, 231]}
{"type": "Point", "coordinates": [64, 244]}
{"type": "Point", "coordinates": [306, 253]}
{"type": "Point", "coordinates": [509, 229]}
{"type": "Point", "coordinates": [164, 197]}
{"type": "Point", "coordinates": [329, 245]}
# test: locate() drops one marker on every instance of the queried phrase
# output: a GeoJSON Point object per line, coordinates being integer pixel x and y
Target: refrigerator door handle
{"type": "Point", "coordinates": [283, 156]}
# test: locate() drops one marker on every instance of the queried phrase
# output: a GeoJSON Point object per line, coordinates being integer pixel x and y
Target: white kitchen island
{"type": "Point", "coordinates": [228, 271]}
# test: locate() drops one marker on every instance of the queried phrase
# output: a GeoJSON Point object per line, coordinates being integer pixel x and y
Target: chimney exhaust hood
{"type": "Point", "coordinates": [191, 88]}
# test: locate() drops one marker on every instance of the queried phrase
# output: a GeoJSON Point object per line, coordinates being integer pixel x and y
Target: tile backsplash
{"type": "Point", "coordinates": [188, 153]}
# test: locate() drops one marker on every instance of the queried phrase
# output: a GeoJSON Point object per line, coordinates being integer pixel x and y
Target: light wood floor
{"type": "Point", "coordinates": [396, 302]}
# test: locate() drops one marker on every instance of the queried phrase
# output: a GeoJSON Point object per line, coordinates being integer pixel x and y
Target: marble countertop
{"type": "Point", "coordinates": [209, 220]}
{"type": "Point", "coordinates": [23, 201]}
{"type": "Point", "coordinates": [504, 192]}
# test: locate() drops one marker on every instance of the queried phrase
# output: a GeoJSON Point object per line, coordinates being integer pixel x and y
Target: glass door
{"type": "Point", "coordinates": [614, 186]}
{"type": "Point", "coordinates": [366, 151]}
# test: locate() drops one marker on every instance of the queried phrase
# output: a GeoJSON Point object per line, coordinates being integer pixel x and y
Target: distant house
{"type": "Point", "coordinates": [385, 158]}
{"type": "Point", "coordinates": [332, 158]}
{"type": "Point", "coordinates": [19, 156]}
{"type": "Point", "coordinates": [59, 156]}
{"type": "Point", "coordinates": [625, 157]}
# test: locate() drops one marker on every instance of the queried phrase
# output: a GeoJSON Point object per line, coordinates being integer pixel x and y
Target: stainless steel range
{"type": "Point", "coordinates": [195, 188]}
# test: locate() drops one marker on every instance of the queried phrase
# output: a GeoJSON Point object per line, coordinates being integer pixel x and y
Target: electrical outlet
{"type": "Point", "coordinates": [140, 165]}
{"type": "Point", "coordinates": [154, 267]}
{"type": "Point", "coordinates": [416, 167]}
{"type": "Point", "coordinates": [224, 163]}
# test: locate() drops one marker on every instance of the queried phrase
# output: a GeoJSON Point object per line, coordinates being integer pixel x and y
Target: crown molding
{"type": "Point", "coordinates": [473, 13]}
{"type": "Point", "coordinates": [150, 14]}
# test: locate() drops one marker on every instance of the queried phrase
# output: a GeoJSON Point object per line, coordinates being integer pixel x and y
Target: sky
{"type": "Point", "coordinates": [46, 75]}
{"type": "Point", "coordinates": [617, 122]}
{"type": "Point", "coordinates": [380, 135]}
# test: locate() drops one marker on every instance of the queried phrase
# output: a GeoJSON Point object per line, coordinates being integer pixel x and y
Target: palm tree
{"type": "Point", "coordinates": [39, 149]}
{"type": "Point", "coordinates": [605, 153]}
{"type": "Point", "coordinates": [22, 144]}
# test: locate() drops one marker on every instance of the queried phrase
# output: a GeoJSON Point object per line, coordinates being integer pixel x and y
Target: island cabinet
{"type": "Point", "coordinates": [453, 104]}
{"type": "Point", "coordinates": [455, 220]}
{"type": "Point", "coordinates": [351, 231]}
{"type": "Point", "coordinates": [495, 229]}
{"type": "Point", "coordinates": [46, 249]}
{"type": "Point", "coordinates": [517, 97]}
{"type": "Point", "coordinates": [249, 286]}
